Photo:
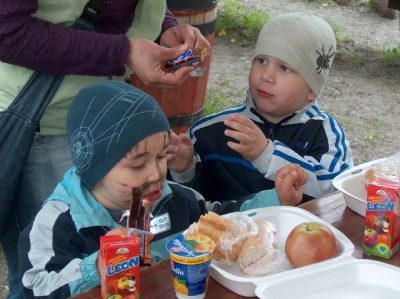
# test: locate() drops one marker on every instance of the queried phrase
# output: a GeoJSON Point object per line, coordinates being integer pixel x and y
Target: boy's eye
{"type": "Point", "coordinates": [162, 157]}
{"type": "Point", "coordinates": [262, 60]}
{"type": "Point", "coordinates": [285, 69]}
{"type": "Point", "coordinates": [138, 167]}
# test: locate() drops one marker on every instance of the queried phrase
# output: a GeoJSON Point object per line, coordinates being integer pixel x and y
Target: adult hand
{"type": "Point", "coordinates": [147, 60]}
{"type": "Point", "coordinates": [251, 141]}
{"type": "Point", "coordinates": [289, 182]}
{"type": "Point", "coordinates": [180, 153]}
{"type": "Point", "coordinates": [189, 35]}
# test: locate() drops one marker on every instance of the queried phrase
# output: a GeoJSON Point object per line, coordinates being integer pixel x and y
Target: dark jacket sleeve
{"type": "Point", "coordinates": [226, 207]}
{"type": "Point", "coordinates": [25, 264]}
{"type": "Point", "coordinates": [169, 21]}
{"type": "Point", "coordinates": [52, 258]}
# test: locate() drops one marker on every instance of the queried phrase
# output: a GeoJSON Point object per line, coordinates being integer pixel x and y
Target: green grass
{"type": "Point", "coordinates": [391, 56]}
{"type": "Point", "coordinates": [237, 24]}
{"type": "Point", "coordinates": [374, 131]}
{"type": "Point", "coordinates": [215, 101]}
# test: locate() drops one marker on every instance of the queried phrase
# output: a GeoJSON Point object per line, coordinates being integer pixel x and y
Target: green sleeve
{"type": "Point", "coordinates": [263, 199]}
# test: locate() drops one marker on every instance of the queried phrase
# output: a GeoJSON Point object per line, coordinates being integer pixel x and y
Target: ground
{"type": "Point", "coordinates": [361, 92]}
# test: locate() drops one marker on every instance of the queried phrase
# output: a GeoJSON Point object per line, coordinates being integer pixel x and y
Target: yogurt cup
{"type": "Point", "coordinates": [190, 257]}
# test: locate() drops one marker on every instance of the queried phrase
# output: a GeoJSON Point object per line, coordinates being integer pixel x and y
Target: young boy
{"type": "Point", "coordinates": [118, 139]}
{"type": "Point", "coordinates": [238, 151]}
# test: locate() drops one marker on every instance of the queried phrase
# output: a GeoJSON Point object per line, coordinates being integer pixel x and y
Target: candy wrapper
{"type": "Point", "coordinates": [139, 218]}
{"type": "Point", "coordinates": [186, 59]}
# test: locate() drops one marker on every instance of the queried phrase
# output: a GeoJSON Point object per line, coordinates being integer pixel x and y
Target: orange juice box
{"type": "Point", "coordinates": [120, 266]}
{"type": "Point", "coordinates": [382, 219]}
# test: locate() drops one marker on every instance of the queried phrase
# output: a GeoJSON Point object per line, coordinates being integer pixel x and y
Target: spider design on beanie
{"type": "Point", "coordinates": [105, 121]}
{"type": "Point", "coordinates": [323, 61]}
{"type": "Point", "coordinates": [82, 148]}
{"type": "Point", "coordinates": [102, 129]}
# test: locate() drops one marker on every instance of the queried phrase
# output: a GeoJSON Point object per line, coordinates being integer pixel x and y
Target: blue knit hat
{"type": "Point", "coordinates": [105, 121]}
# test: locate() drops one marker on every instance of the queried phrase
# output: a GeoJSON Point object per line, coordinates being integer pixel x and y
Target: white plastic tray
{"type": "Point", "coordinates": [285, 219]}
{"type": "Point", "coordinates": [355, 279]}
{"type": "Point", "coordinates": [350, 183]}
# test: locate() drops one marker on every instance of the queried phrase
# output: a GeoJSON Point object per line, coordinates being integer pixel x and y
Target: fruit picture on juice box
{"type": "Point", "coordinates": [382, 218]}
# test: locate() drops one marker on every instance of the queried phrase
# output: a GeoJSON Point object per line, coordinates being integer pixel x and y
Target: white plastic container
{"type": "Point", "coordinates": [350, 183]}
{"type": "Point", "coordinates": [347, 279]}
{"type": "Point", "coordinates": [285, 219]}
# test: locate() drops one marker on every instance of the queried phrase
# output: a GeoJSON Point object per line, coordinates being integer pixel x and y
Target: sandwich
{"type": "Point", "coordinates": [258, 254]}
{"type": "Point", "coordinates": [227, 233]}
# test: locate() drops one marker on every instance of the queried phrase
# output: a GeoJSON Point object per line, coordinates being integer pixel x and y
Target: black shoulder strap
{"type": "Point", "coordinates": [93, 10]}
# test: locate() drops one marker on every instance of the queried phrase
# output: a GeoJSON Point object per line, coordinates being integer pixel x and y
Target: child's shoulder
{"type": "Point", "coordinates": [314, 111]}
{"type": "Point", "coordinates": [182, 192]}
{"type": "Point", "coordinates": [218, 117]}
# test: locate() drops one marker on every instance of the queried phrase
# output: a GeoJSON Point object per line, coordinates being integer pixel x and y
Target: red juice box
{"type": "Point", "coordinates": [382, 218]}
{"type": "Point", "coordinates": [120, 266]}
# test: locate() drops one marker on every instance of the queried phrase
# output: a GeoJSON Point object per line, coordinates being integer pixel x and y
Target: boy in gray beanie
{"type": "Point", "coordinates": [118, 139]}
{"type": "Point", "coordinates": [237, 152]}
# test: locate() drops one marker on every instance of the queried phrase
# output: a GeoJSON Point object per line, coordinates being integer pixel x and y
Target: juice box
{"type": "Point", "coordinates": [120, 266]}
{"type": "Point", "coordinates": [382, 218]}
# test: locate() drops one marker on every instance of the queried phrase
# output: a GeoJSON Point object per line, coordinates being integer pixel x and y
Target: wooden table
{"type": "Point", "coordinates": [156, 281]}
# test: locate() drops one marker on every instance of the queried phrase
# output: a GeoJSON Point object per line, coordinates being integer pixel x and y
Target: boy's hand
{"type": "Point", "coordinates": [123, 231]}
{"type": "Point", "coordinates": [117, 231]}
{"type": "Point", "coordinates": [180, 153]}
{"type": "Point", "coordinates": [289, 182]}
{"type": "Point", "coordinates": [251, 140]}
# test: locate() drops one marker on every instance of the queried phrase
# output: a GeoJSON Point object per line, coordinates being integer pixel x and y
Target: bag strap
{"type": "Point", "coordinates": [93, 10]}
{"type": "Point", "coordinates": [37, 93]}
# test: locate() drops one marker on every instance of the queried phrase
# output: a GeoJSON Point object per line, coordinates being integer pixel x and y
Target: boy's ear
{"type": "Point", "coordinates": [311, 96]}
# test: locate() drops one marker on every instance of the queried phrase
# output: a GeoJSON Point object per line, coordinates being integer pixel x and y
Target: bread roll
{"type": "Point", "coordinates": [379, 172]}
{"type": "Point", "coordinates": [257, 255]}
{"type": "Point", "coordinates": [227, 233]}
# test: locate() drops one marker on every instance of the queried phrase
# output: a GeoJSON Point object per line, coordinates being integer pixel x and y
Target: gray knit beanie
{"type": "Point", "coordinates": [304, 41]}
{"type": "Point", "coordinates": [104, 122]}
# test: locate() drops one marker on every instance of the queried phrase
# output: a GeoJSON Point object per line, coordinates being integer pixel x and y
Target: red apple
{"type": "Point", "coordinates": [309, 243]}
{"type": "Point", "coordinates": [369, 235]}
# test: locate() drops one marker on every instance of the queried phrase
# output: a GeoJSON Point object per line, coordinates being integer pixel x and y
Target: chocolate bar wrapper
{"type": "Point", "coordinates": [186, 59]}
{"type": "Point", "coordinates": [140, 218]}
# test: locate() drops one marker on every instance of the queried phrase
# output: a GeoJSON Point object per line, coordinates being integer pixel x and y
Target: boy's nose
{"type": "Point", "coordinates": [155, 173]}
{"type": "Point", "coordinates": [268, 75]}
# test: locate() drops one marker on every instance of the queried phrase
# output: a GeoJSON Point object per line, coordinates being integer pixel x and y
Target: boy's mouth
{"type": "Point", "coordinates": [264, 94]}
{"type": "Point", "coordinates": [152, 196]}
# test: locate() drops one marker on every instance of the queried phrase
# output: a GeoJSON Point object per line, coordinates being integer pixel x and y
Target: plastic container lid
{"type": "Point", "coordinates": [350, 278]}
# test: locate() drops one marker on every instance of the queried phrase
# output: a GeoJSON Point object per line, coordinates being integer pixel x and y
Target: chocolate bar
{"type": "Point", "coordinates": [186, 59]}
{"type": "Point", "coordinates": [139, 218]}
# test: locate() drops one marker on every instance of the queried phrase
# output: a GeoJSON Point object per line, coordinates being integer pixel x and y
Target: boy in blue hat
{"type": "Point", "coordinates": [118, 139]}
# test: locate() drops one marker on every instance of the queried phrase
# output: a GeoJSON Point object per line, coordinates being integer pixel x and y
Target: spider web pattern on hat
{"type": "Point", "coordinates": [84, 139]}
{"type": "Point", "coordinates": [105, 121]}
